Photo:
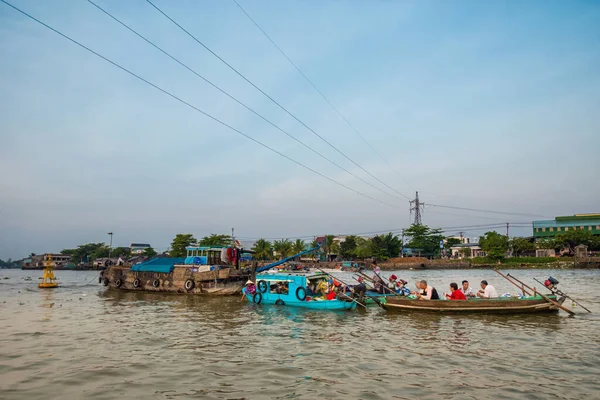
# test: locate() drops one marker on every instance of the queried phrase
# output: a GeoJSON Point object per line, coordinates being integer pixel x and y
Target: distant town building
{"type": "Point", "coordinates": [467, 250]}
{"type": "Point", "coordinates": [551, 228]}
{"type": "Point", "coordinates": [37, 261]}
{"type": "Point", "coordinates": [138, 248]}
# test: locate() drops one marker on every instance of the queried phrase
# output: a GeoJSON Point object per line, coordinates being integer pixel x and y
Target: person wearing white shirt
{"type": "Point", "coordinates": [466, 289]}
{"type": "Point", "coordinates": [487, 291]}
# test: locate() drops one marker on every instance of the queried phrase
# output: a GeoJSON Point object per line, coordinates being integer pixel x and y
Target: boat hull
{"type": "Point", "coordinates": [489, 306]}
{"type": "Point", "coordinates": [311, 304]}
{"type": "Point", "coordinates": [223, 282]}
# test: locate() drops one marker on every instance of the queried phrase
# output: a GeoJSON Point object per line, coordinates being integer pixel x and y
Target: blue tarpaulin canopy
{"type": "Point", "coordinates": [164, 265]}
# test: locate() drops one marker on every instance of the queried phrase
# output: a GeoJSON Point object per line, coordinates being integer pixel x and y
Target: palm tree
{"type": "Point", "coordinates": [329, 245]}
{"type": "Point", "coordinates": [298, 246]}
{"type": "Point", "coordinates": [263, 250]}
{"type": "Point", "coordinates": [283, 247]}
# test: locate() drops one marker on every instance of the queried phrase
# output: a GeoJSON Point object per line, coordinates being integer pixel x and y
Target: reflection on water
{"type": "Point", "coordinates": [83, 341]}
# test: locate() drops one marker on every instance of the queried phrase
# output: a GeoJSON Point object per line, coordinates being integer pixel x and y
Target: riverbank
{"type": "Point", "coordinates": [413, 263]}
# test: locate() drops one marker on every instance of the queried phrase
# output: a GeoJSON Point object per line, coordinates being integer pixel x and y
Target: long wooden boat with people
{"type": "Point", "coordinates": [531, 301]}
{"type": "Point", "coordinates": [206, 270]}
{"type": "Point", "coordinates": [500, 305]}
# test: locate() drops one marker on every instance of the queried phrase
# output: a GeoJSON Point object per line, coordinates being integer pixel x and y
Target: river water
{"type": "Point", "coordinates": [84, 341]}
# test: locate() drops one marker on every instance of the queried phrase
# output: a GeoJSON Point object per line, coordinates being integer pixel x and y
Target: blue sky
{"type": "Point", "coordinates": [489, 105]}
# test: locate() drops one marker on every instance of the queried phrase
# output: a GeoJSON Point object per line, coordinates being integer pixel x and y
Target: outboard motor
{"type": "Point", "coordinates": [550, 283]}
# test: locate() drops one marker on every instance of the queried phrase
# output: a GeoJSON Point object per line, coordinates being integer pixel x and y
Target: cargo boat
{"type": "Point", "coordinates": [206, 270]}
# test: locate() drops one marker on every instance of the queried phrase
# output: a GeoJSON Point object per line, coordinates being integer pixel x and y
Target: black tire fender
{"type": "Point", "coordinates": [262, 286]}
{"type": "Point", "coordinates": [156, 283]}
{"type": "Point", "coordinates": [189, 284]}
{"type": "Point", "coordinates": [257, 298]}
{"type": "Point", "coordinates": [279, 302]}
{"type": "Point", "coordinates": [136, 283]}
{"type": "Point", "coordinates": [118, 283]}
{"type": "Point", "coordinates": [302, 296]}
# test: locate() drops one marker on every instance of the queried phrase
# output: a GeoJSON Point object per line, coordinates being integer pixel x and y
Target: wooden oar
{"type": "Point", "coordinates": [560, 293]}
{"type": "Point", "coordinates": [328, 274]}
{"type": "Point", "coordinates": [382, 282]}
{"type": "Point", "coordinates": [375, 299]}
{"type": "Point", "coordinates": [549, 300]}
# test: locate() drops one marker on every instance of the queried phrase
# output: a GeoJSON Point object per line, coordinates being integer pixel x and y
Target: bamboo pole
{"type": "Point", "coordinates": [328, 274]}
{"type": "Point", "coordinates": [522, 287]}
{"type": "Point", "coordinates": [549, 300]}
{"type": "Point", "coordinates": [560, 293]}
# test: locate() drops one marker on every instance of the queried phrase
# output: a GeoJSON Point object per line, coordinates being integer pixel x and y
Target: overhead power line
{"type": "Point", "coordinates": [190, 105]}
{"type": "Point", "coordinates": [272, 99]}
{"type": "Point", "coordinates": [236, 100]}
{"type": "Point", "coordinates": [485, 211]}
{"type": "Point", "coordinates": [310, 82]}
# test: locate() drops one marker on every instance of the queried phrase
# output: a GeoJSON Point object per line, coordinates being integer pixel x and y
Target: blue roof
{"type": "Point", "coordinates": [164, 265]}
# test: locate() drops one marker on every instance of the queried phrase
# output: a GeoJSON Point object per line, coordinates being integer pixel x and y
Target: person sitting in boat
{"type": "Point", "coordinates": [455, 294]}
{"type": "Point", "coordinates": [250, 287]}
{"type": "Point", "coordinates": [393, 280]}
{"type": "Point", "coordinates": [322, 288]}
{"type": "Point", "coordinates": [487, 291]}
{"type": "Point", "coordinates": [427, 292]}
{"type": "Point", "coordinates": [360, 289]}
{"type": "Point", "coordinates": [401, 288]}
{"type": "Point", "coordinates": [466, 289]}
{"type": "Point", "coordinates": [282, 288]}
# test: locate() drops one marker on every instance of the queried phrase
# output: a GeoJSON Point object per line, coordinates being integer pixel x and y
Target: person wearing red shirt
{"type": "Point", "coordinates": [456, 294]}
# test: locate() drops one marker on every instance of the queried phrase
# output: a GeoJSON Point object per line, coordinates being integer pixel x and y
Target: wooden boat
{"type": "Point", "coordinates": [293, 290]}
{"type": "Point", "coordinates": [201, 272]}
{"type": "Point", "coordinates": [500, 305]}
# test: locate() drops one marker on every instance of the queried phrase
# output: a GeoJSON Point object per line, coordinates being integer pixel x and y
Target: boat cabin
{"type": "Point", "coordinates": [289, 287]}
{"type": "Point", "coordinates": [204, 255]}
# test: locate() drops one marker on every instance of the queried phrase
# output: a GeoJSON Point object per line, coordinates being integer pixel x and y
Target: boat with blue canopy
{"type": "Point", "coordinates": [295, 290]}
{"type": "Point", "coordinates": [206, 270]}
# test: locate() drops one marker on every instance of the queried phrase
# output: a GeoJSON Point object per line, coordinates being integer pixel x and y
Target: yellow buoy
{"type": "Point", "coordinates": [48, 280]}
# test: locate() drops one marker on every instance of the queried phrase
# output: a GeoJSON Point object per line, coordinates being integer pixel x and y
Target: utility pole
{"type": "Point", "coordinates": [507, 229]}
{"type": "Point", "coordinates": [461, 237]}
{"type": "Point", "coordinates": [416, 208]}
{"type": "Point", "coordinates": [110, 245]}
{"type": "Point", "coordinates": [402, 251]}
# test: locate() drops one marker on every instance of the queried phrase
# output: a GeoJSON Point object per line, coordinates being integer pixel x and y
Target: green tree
{"type": "Point", "coordinates": [100, 252]}
{"type": "Point", "coordinates": [299, 246]}
{"type": "Point", "coordinates": [283, 247]}
{"type": "Point", "coordinates": [123, 252]}
{"type": "Point", "coordinates": [521, 246]}
{"type": "Point", "coordinates": [364, 248]}
{"type": "Point", "coordinates": [216, 240]}
{"type": "Point", "coordinates": [573, 238]}
{"type": "Point", "coordinates": [180, 242]}
{"type": "Point", "coordinates": [87, 252]}
{"type": "Point", "coordinates": [150, 252]}
{"type": "Point", "coordinates": [328, 246]}
{"type": "Point", "coordinates": [348, 247]}
{"type": "Point", "coordinates": [385, 246]}
{"type": "Point", "coordinates": [263, 249]}
{"type": "Point", "coordinates": [425, 238]}
{"type": "Point", "coordinates": [494, 244]}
